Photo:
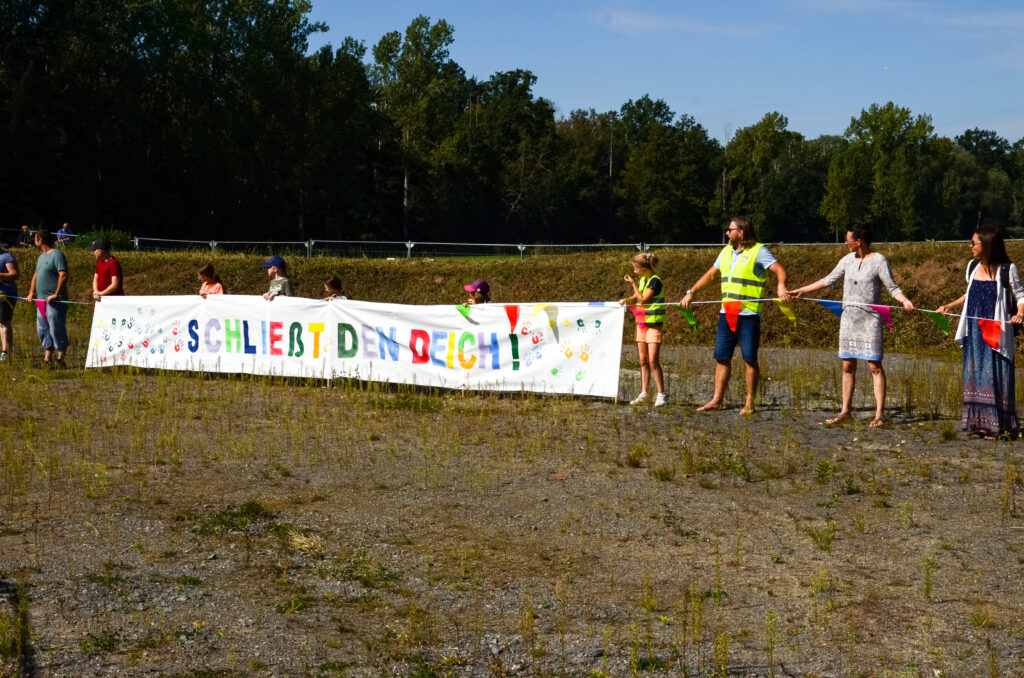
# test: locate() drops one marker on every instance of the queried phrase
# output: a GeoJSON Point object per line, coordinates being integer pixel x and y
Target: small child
{"type": "Point", "coordinates": [649, 294]}
{"type": "Point", "coordinates": [333, 289]}
{"type": "Point", "coordinates": [211, 281]}
{"type": "Point", "coordinates": [280, 286]}
{"type": "Point", "coordinates": [479, 292]}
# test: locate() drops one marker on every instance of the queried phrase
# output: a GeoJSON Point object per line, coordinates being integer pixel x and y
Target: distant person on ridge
{"type": "Point", "coordinates": [744, 264]}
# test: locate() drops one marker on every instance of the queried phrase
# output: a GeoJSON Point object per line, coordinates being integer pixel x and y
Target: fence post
{"type": "Point", "coordinates": [213, 245]}
{"type": "Point", "coordinates": [309, 248]}
{"type": "Point", "coordinates": [408, 249]}
{"type": "Point", "coordinates": [640, 246]}
{"type": "Point", "coordinates": [136, 240]}
{"type": "Point", "coordinates": [522, 248]}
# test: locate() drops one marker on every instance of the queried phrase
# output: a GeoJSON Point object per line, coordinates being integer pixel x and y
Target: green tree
{"type": "Point", "coordinates": [422, 91]}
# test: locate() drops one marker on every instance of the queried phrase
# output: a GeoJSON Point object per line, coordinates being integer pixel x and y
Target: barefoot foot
{"type": "Point", "coordinates": [709, 407]}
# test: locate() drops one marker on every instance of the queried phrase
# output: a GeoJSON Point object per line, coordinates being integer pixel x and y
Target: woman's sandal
{"type": "Point", "coordinates": [877, 423]}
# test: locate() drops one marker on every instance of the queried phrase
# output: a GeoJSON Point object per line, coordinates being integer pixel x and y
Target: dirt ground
{"type": "Point", "coordinates": [167, 524]}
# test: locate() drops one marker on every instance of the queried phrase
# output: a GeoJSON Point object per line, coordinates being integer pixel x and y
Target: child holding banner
{"type": "Point", "coordinates": [994, 292]}
{"type": "Point", "coordinates": [649, 294]}
{"type": "Point", "coordinates": [280, 286]}
{"type": "Point", "coordinates": [479, 292]}
{"type": "Point", "coordinates": [333, 289]}
{"type": "Point", "coordinates": [211, 283]}
{"type": "Point", "coordinates": [864, 272]}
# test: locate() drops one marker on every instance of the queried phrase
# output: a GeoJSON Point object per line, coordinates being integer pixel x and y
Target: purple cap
{"type": "Point", "coordinates": [480, 286]}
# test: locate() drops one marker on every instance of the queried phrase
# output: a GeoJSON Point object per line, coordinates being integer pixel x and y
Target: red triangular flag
{"type": "Point", "coordinates": [732, 313]}
{"type": "Point", "coordinates": [513, 316]}
{"type": "Point", "coordinates": [640, 315]}
{"type": "Point", "coordinates": [41, 305]}
{"type": "Point", "coordinates": [884, 312]}
{"type": "Point", "coordinates": [990, 331]}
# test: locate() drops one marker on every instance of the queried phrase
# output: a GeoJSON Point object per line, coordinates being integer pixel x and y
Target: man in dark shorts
{"type": "Point", "coordinates": [743, 264]}
{"type": "Point", "coordinates": [8, 295]}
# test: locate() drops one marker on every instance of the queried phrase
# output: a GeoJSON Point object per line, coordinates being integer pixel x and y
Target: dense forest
{"type": "Point", "coordinates": [192, 118]}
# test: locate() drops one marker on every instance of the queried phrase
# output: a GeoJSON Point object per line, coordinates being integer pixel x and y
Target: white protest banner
{"type": "Point", "coordinates": [547, 348]}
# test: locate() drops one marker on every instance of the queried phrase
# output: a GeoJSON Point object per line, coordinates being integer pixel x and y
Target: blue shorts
{"type": "Point", "coordinates": [748, 333]}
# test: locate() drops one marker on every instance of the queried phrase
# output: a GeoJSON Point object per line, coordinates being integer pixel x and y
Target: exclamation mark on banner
{"type": "Point", "coordinates": [515, 351]}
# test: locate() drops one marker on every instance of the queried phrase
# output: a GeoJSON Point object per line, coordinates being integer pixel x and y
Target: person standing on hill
{"type": "Point", "coordinates": [993, 304]}
{"type": "Point", "coordinates": [744, 264]}
{"type": "Point", "coordinates": [8, 295]}
{"type": "Point", "coordinates": [649, 294]}
{"type": "Point", "coordinates": [50, 282]}
{"type": "Point", "coordinates": [863, 272]}
{"type": "Point", "coordinates": [65, 235]}
{"type": "Point", "coordinates": [107, 280]}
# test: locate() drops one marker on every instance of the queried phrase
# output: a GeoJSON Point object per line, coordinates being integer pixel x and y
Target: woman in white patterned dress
{"type": "Point", "coordinates": [864, 273]}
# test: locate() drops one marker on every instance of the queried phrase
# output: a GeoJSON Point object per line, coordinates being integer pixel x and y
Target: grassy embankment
{"type": "Point", "coordinates": [929, 273]}
{"type": "Point", "coordinates": [174, 524]}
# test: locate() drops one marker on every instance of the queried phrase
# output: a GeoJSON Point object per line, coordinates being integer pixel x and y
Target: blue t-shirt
{"type": "Point", "coordinates": [7, 287]}
{"type": "Point", "coordinates": [762, 263]}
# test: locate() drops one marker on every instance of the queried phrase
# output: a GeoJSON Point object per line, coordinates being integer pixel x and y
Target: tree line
{"type": "Point", "coordinates": [210, 118]}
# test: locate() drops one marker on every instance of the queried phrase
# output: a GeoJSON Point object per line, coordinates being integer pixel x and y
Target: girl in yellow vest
{"type": "Point", "coordinates": [649, 294]}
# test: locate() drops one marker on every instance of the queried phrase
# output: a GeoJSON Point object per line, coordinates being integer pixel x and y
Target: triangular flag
{"type": "Point", "coordinates": [688, 314]}
{"type": "Point", "coordinates": [833, 306]}
{"type": "Point", "coordinates": [513, 316]}
{"type": "Point", "coordinates": [941, 320]}
{"type": "Point", "coordinates": [883, 311]}
{"type": "Point", "coordinates": [787, 310]}
{"type": "Point", "coordinates": [732, 313]}
{"type": "Point", "coordinates": [463, 309]}
{"type": "Point", "coordinates": [41, 305]}
{"type": "Point", "coordinates": [990, 331]}
{"type": "Point", "coordinates": [640, 315]}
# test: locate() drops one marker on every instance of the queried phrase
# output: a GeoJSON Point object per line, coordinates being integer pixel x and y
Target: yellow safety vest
{"type": "Point", "coordinates": [739, 282]}
{"type": "Point", "coordinates": [654, 309]}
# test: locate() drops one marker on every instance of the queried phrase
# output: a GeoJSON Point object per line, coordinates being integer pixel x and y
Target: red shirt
{"type": "Point", "coordinates": [105, 272]}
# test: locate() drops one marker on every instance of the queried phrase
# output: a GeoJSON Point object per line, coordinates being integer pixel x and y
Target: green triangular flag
{"type": "Point", "coordinates": [940, 320]}
{"type": "Point", "coordinates": [688, 314]}
{"type": "Point", "coordinates": [463, 309]}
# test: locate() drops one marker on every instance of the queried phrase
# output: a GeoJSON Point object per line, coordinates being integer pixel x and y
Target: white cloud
{"type": "Point", "coordinates": [636, 24]}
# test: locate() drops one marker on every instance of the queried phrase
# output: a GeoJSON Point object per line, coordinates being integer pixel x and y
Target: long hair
{"type": "Point", "coordinates": [747, 226]}
{"type": "Point", "coordinates": [646, 260]}
{"type": "Point", "coordinates": [993, 248]}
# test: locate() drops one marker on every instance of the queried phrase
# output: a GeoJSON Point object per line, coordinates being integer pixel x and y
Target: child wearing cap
{"type": "Point", "coordinates": [280, 286]}
{"type": "Point", "coordinates": [479, 292]}
{"type": "Point", "coordinates": [107, 279]}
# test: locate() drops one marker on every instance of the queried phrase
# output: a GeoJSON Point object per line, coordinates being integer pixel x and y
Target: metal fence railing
{"type": "Point", "coordinates": [394, 249]}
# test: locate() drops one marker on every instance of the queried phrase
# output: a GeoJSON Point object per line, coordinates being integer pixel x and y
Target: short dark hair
{"type": "Point", "coordinates": [862, 231]}
{"type": "Point", "coordinates": [46, 237]}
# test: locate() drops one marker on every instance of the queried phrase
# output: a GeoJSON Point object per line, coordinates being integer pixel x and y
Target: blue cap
{"type": "Point", "coordinates": [274, 261]}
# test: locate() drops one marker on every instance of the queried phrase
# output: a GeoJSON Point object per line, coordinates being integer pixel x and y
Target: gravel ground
{"type": "Point", "coordinates": [296, 530]}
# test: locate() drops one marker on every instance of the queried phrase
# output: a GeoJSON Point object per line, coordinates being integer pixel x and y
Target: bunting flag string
{"type": "Point", "coordinates": [990, 331]}
{"type": "Point", "coordinates": [939, 319]}
{"type": "Point", "coordinates": [732, 313]}
{"type": "Point", "coordinates": [688, 314]}
{"type": "Point", "coordinates": [883, 312]}
{"type": "Point", "coordinates": [57, 301]}
{"type": "Point", "coordinates": [834, 306]}
{"type": "Point", "coordinates": [787, 310]}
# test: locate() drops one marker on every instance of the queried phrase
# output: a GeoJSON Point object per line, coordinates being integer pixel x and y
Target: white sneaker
{"type": "Point", "coordinates": [662, 399]}
{"type": "Point", "coordinates": [639, 399]}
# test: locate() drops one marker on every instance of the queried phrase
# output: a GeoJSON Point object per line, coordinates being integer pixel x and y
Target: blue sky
{"type": "Point", "coordinates": [818, 62]}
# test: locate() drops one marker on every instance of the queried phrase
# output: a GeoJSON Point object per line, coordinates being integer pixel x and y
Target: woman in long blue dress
{"type": "Point", "coordinates": [989, 387]}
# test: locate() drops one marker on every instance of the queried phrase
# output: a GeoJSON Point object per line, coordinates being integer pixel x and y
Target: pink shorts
{"type": "Point", "coordinates": [648, 334]}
